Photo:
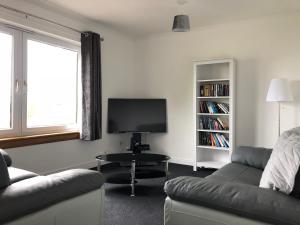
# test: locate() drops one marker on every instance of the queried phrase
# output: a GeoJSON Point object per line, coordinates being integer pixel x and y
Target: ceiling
{"type": "Point", "coordinates": [144, 17]}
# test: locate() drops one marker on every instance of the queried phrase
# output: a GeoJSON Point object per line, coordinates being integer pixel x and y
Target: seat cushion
{"type": "Point", "coordinates": [36, 193]}
{"type": "Point", "coordinates": [16, 174]}
{"type": "Point", "coordinates": [237, 198]}
{"type": "Point", "coordinates": [235, 172]}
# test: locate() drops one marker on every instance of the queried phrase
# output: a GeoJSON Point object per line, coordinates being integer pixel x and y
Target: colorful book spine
{"type": "Point", "coordinates": [213, 107]}
{"type": "Point", "coordinates": [210, 90]}
{"type": "Point", "coordinates": [213, 139]}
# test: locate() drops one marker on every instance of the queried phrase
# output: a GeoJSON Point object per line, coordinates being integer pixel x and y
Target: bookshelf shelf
{"type": "Point", "coordinates": [213, 114]}
{"type": "Point", "coordinates": [213, 80]}
{"type": "Point", "coordinates": [214, 131]}
{"type": "Point", "coordinates": [214, 107]}
{"type": "Point", "coordinates": [209, 97]}
{"type": "Point", "coordinates": [213, 148]}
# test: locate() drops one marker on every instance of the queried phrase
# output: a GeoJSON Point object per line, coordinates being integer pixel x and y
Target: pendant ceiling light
{"type": "Point", "coordinates": [181, 23]}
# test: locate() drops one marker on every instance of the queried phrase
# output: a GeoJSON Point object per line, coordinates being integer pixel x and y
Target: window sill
{"type": "Point", "coordinates": [14, 142]}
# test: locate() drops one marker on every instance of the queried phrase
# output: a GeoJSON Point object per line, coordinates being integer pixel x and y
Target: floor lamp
{"type": "Point", "coordinates": [279, 91]}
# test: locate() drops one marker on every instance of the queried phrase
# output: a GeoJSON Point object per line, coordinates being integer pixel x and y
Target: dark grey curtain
{"type": "Point", "coordinates": [91, 86]}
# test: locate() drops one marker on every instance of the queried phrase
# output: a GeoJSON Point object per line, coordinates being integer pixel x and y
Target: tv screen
{"type": "Point", "coordinates": [137, 115]}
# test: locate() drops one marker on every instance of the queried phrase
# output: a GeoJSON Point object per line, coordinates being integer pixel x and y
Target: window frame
{"type": "Point", "coordinates": [57, 43]}
{"type": "Point", "coordinates": [19, 78]}
{"type": "Point", "coordinates": [16, 87]}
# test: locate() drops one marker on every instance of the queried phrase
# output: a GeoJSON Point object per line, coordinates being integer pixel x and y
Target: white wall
{"type": "Point", "coordinates": [117, 80]}
{"type": "Point", "coordinates": [161, 66]}
{"type": "Point", "coordinates": [264, 48]}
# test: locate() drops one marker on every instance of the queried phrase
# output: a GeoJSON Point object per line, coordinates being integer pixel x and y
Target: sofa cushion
{"type": "Point", "coordinates": [235, 172]}
{"type": "Point", "coordinates": [16, 174]}
{"type": "Point", "coordinates": [251, 156]}
{"type": "Point", "coordinates": [33, 194]}
{"type": "Point", "coordinates": [241, 199]}
{"type": "Point", "coordinates": [4, 177]}
{"type": "Point", "coordinates": [282, 168]}
{"type": "Point", "coordinates": [6, 157]}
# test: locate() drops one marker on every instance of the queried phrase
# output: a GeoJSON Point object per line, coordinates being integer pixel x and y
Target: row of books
{"type": "Point", "coordinates": [209, 90]}
{"type": "Point", "coordinates": [213, 139]}
{"type": "Point", "coordinates": [213, 107]}
{"type": "Point", "coordinates": [208, 123]}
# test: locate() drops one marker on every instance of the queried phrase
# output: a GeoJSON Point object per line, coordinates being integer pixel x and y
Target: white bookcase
{"type": "Point", "coordinates": [208, 77]}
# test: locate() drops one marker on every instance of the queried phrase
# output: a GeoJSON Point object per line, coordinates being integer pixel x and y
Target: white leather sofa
{"type": "Point", "coordinates": [179, 213]}
{"type": "Point", "coordinates": [231, 195]}
{"type": "Point", "coordinates": [86, 209]}
{"type": "Point", "coordinates": [71, 197]}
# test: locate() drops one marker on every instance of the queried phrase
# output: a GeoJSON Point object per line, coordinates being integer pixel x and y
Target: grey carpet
{"type": "Point", "coordinates": [147, 207]}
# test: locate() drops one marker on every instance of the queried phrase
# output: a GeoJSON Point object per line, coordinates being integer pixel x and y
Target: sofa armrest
{"type": "Point", "coordinates": [33, 194]}
{"type": "Point", "coordinates": [6, 157]}
{"type": "Point", "coordinates": [251, 156]}
{"type": "Point", "coordinates": [241, 199]}
{"type": "Point", "coordinates": [4, 176]}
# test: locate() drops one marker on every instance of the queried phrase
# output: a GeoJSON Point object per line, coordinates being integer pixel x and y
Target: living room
{"type": "Point", "coordinates": [141, 58]}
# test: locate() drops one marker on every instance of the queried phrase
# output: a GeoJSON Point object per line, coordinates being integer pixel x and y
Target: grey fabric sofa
{"type": "Point", "coordinates": [231, 195]}
{"type": "Point", "coordinates": [65, 198]}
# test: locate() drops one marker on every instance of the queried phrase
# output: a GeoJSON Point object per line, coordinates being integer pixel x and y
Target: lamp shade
{"type": "Point", "coordinates": [181, 23]}
{"type": "Point", "coordinates": [279, 91]}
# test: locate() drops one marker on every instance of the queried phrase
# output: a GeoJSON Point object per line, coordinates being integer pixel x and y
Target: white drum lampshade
{"type": "Point", "coordinates": [279, 91]}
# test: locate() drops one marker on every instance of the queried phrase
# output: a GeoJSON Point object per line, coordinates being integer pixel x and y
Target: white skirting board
{"type": "Point", "coordinates": [188, 162]}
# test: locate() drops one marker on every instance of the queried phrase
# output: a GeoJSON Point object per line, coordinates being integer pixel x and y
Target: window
{"type": "Point", "coordinates": [52, 89]}
{"type": "Point", "coordinates": [6, 46]}
{"type": "Point", "coordinates": [38, 84]}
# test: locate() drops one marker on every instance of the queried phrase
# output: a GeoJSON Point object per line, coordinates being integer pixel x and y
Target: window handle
{"type": "Point", "coordinates": [25, 83]}
{"type": "Point", "coordinates": [17, 85]}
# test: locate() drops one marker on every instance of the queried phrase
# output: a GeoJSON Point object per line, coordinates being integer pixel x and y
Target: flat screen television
{"type": "Point", "coordinates": [137, 115]}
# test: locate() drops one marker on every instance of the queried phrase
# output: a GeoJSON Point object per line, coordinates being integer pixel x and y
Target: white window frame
{"type": "Point", "coordinates": [57, 43]}
{"type": "Point", "coordinates": [16, 77]}
{"type": "Point", "coordinates": [19, 84]}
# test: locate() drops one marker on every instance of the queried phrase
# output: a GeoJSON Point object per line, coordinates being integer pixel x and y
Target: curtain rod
{"type": "Point", "coordinates": [41, 18]}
